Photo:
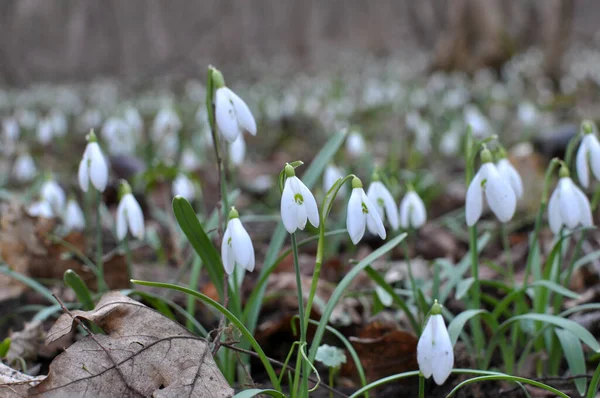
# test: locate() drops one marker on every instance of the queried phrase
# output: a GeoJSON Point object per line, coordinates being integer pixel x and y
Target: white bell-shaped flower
{"type": "Point", "coordinates": [362, 213]}
{"type": "Point", "coordinates": [237, 150]}
{"type": "Point", "coordinates": [499, 194]}
{"type": "Point", "coordinates": [93, 166]}
{"type": "Point", "coordinates": [588, 152]}
{"type": "Point", "coordinates": [568, 205]}
{"type": "Point", "coordinates": [60, 125]}
{"type": "Point", "coordinates": [166, 123]}
{"type": "Point", "coordinates": [383, 200]}
{"type": "Point", "coordinates": [45, 131]}
{"type": "Point", "coordinates": [40, 208]}
{"type": "Point", "coordinates": [435, 353]}
{"type": "Point", "coordinates": [134, 119]}
{"type": "Point", "coordinates": [355, 144]}
{"type": "Point", "coordinates": [412, 211]}
{"type": "Point", "coordinates": [129, 215]}
{"type": "Point", "coordinates": [232, 115]}
{"type": "Point", "coordinates": [119, 136]}
{"type": "Point", "coordinates": [52, 193]}
{"type": "Point", "coordinates": [236, 246]}
{"type": "Point", "coordinates": [330, 176]}
{"type": "Point", "coordinates": [24, 169]}
{"type": "Point", "coordinates": [480, 125]}
{"type": "Point", "coordinates": [297, 203]}
{"type": "Point", "coordinates": [510, 174]}
{"type": "Point", "coordinates": [527, 114]}
{"type": "Point", "coordinates": [183, 186]}
{"type": "Point", "coordinates": [73, 218]}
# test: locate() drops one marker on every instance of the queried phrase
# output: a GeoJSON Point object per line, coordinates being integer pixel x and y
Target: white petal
{"type": "Point", "coordinates": [581, 162]}
{"type": "Point", "coordinates": [242, 245]}
{"type": "Point", "coordinates": [355, 218]}
{"type": "Point", "coordinates": [237, 150]}
{"type": "Point", "coordinates": [243, 113]}
{"type": "Point", "coordinates": [135, 217]}
{"type": "Point", "coordinates": [121, 220]}
{"type": "Point", "coordinates": [289, 209]}
{"type": "Point", "coordinates": [425, 350]}
{"type": "Point", "coordinates": [594, 151]}
{"type": "Point", "coordinates": [474, 200]}
{"type": "Point", "coordinates": [83, 174]}
{"type": "Point", "coordinates": [98, 167]}
{"type": "Point", "coordinates": [506, 170]}
{"type": "Point", "coordinates": [310, 204]}
{"type": "Point", "coordinates": [383, 200]}
{"type": "Point", "coordinates": [227, 254]}
{"type": "Point", "coordinates": [499, 194]}
{"type": "Point", "coordinates": [443, 360]}
{"type": "Point", "coordinates": [73, 217]}
{"type": "Point", "coordinates": [418, 213]}
{"type": "Point", "coordinates": [554, 218]}
{"type": "Point", "coordinates": [374, 222]}
{"type": "Point", "coordinates": [585, 209]}
{"type": "Point", "coordinates": [570, 212]}
{"type": "Point", "coordinates": [225, 115]}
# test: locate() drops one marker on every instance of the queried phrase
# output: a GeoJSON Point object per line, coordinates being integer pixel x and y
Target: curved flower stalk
{"type": "Point", "coordinates": [129, 214]}
{"type": "Point", "coordinates": [499, 194]}
{"type": "Point", "coordinates": [384, 202]}
{"type": "Point", "coordinates": [362, 213]}
{"type": "Point", "coordinates": [93, 166]}
{"type": "Point", "coordinates": [232, 115]}
{"type": "Point", "coordinates": [236, 246]}
{"type": "Point", "coordinates": [568, 205]}
{"type": "Point", "coordinates": [52, 193]}
{"type": "Point", "coordinates": [298, 205]}
{"type": "Point", "coordinates": [412, 211]}
{"type": "Point", "coordinates": [588, 154]}
{"type": "Point", "coordinates": [435, 353]}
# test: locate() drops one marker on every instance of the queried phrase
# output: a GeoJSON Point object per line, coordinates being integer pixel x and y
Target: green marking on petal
{"type": "Point", "coordinates": [364, 208]}
{"type": "Point", "coordinates": [298, 198]}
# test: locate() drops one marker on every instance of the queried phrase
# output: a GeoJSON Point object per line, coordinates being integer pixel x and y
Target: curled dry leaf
{"type": "Point", "coordinates": [143, 354]}
{"type": "Point", "coordinates": [14, 383]}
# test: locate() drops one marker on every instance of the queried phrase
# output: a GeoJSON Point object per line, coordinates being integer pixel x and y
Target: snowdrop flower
{"type": "Point", "coordinates": [297, 203]}
{"type": "Point", "coordinates": [40, 208]}
{"type": "Point", "coordinates": [383, 200]}
{"type": "Point", "coordinates": [236, 246]}
{"type": "Point", "coordinates": [73, 218]}
{"type": "Point", "coordinates": [478, 122]}
{"type": "Point", "coordinates": [588, 152]}
{"type": "Point", "coordinates": [189, 160]}
{"type": "Point", "coordinates": [59, 123]}
{"type": "Point", "coordinates": [330, 176]}
{"type": "Point", "coordinates": [499, 194]}
{"type": "Point", "coordinates": [568, 205]}
{"type": "Point", "coordinates": [510, 174]}
{"type": "Point", "coordinates": [119, 136]}
{"type": "Point", "coordinates": [362, 213]}
{"type": "Point", "coordinates": [166, 122]}
{"type": "Point", "coordinates": [412, 211]}
{"type": "Point", "coordinates": [527, 114]}
{"type": "Point", "coordinates": [24, 168]}
{"type": "Point", "coordinates": [355, 144]}
{"type": "Point", "coordinates": [237, 150]}
{"type": "Point", "coordinates": [232, 115]}
{"type": "Point", "coordinates": [45, 131]}
{"type": "Point", "coordinates": [52, 193]}
{"type": "Point", "coordinates": [183, 186]}
{"type": "Point", "coordinates": [134, 119]}
{"type": "Point", "coordinates": [93, 166]}
{"type": "Point", "coordinates": [10, 129]}
{"type": "Point", "coordinates": [435, 353]}
{"type": "Point", "coordinates": [129, 214]}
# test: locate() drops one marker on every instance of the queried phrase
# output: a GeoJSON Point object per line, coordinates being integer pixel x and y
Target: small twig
{"type": "Point", "coordinates": [281, 364]}
{"type": "Point", "coordinates": [93, 337]}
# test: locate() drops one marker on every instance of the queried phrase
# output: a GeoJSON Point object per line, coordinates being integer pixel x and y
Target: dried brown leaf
{"type": "Point", "coordinates": [142, 354]}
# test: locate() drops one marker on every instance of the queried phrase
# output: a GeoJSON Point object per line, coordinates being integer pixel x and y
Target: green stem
{"type": "Point", "coordinates": [476, 292]}
{"type": "Point", "coordinates": [508, 254]}
{"type": "Point", "coordinates": [102, 287]}
{"type": "Point", "coordinates": [421, 385]}
{"type": "Point", "coordinates": [128, 257]}
{"type": "Point", "coordinates": [299, 369]}
{"type": "Point", "coordinates": [331, 370]}
{"type": "Point", "coordinates": [316, 274]}
{"type": "Point", "coordinates": [413, 284]}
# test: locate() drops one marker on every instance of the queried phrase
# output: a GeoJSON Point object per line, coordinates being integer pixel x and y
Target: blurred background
{"type": "Point", "coordinates": [63, 40]}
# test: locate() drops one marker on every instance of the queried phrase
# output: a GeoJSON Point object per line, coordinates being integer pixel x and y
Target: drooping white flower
{"type": "Point", "coordinates": [129, 215]}
{"type": "Point", "coordinates": [189, 160]}
{"type": "Point", "coordinates": [435, 353]}
{"type": "Point", "coordinates": [59, 122]}
{"type": "Point", "coordinates": [527, 113]}
{"type": "Point", "coordinates": [166, 123]}
{"type": "Point", "coordinates": [297, 203]}
{"type": "Point", "coordinates": [73, 218]}
{"type": "Point", "coordinates": [52, 193]}
{"type": "Point", "coordinates": [330, 176]}
{"type": "Point", "coordinates": [237, 150]}
{"type": "Point", "coordinates": [24, 168]}
{"type": "Point", "coordinates": [134, 119]}
{"type": "Point", "coordinates": [10, 129]}
{"type": "Point", "coordinates": [355, 144]}
{"type": "Point", "coordinates": [40, 208]}
{"type": "Point", "coordinates": [119, 136]}
{"type": "Point", "coordinates": [362, 213]}
{"type": "Point", "coordinates": [45, 131]}
{"type": "Point", "coordinates": [383, 200]}
{"type": "Point", "coordinates": [499, 194]}
{"type": "Point", "coordinates": [568, 205]}
{"type": "Point", "coordinates": [589, 151]}
{"type": "Point", "coordinates": [412, 211]}
{"type": "Point", "coordinates": [183, 186]}
{"type": "Point", "coordinates": [480, 124]}
{"type": "Point", "coordinates": [232, 115]}
{"type": "Point", "coordinates": [93, 166]}
{"type": "Point", "coordinates": [510, 174]}
{"type": "Point", "coordinates": [236, 246]}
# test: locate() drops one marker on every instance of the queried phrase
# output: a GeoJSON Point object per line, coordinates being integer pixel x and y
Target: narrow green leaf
{"type": "Point", "coordinates": [255, 392]}
{"type": "Point", "coordinates": [508, 378]}
{"type": "Point", "coordinates": [556, 288]}
{"type": "Point", "coordinates": [573, 352]}
{"type": "Point", "coordinates": [4, 347]}
{"type": "Point", "coordinates": [191, 227]}
{"type": "Point", "coordinates": [74, 281]}
{"type": "Point", "coordinates": [35, 285]}
{"type": "Point", "coordinates": [459, 322]}
{"type": "Point", "coordinates": [594, 383]}
{"type": "Point", "coordinates": [463, 287]}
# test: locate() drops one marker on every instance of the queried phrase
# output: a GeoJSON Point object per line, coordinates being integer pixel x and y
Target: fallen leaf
{"type": "Point", "coordinates": [25, 343]}
{"type": "Point", "coordinates": [142, 354]}
{"type": "Point", "coordinates": [14, 383]}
